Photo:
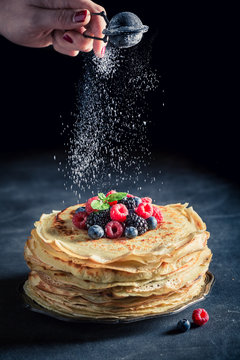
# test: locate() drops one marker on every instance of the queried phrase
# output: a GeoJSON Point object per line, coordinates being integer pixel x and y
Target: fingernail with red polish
{"type": "Point", "coordinates": [103, 50]}
{"type": "Point", "coordinates": [67, 38]}
{"type": "Point", "coordinates": [79, 16]}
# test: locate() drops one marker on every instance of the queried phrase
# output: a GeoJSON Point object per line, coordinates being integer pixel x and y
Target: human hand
{"type": "Point", "coordinates": [61, 23]}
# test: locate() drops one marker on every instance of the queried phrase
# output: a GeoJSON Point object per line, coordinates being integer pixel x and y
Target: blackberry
{"type": "Point", "coordinates": [100, 218]}
{"type": "Point", "coordinates": [136, 221]}
{"type": "Point", "coordinates": [129, 202]}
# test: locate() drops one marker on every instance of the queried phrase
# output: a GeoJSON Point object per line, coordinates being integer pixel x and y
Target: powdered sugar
{"type": "Point", "coordinates": [108, 144]}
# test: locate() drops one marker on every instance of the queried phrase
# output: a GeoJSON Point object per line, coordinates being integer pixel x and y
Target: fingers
{"type": "Point", "coordinates": [71, 42]}
{"type": "Point", "coordinates": [96, 26]}
{"type": "Point", "coordinates": [62, 49]}
{"type": "Point", "coordinates": [66, 52]}
{"type": "Point", "coordinates": [61, 4]}
{"type": "Point", "coordinates": [62, 19]}
{"type": "Point", "coordinates": [63, 15]}
{"type": "Point", "coordinates": [66, 4]}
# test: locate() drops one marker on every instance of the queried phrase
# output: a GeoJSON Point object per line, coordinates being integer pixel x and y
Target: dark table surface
{"type": "Point", "coordinates": [32, 185]}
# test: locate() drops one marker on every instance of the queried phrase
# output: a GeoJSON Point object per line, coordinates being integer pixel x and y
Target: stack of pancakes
{"type": "Point", "coordinates": [117, 279]}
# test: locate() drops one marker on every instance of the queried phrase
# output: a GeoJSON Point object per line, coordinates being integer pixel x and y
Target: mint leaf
{"type": "Point", "coordinates": [99, 205]}
{"type": "Point", "coordinates": [101, 196]}
{"type": "Point", "coordinates": [116, 196]}
{"type": "Point", "coordinates": [104, 206]}
{"type": "Point", "coordinates": [95, 204]}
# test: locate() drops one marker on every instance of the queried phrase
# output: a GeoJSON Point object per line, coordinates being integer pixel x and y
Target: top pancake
{"type": "Point", "coordinates": [180, 224]}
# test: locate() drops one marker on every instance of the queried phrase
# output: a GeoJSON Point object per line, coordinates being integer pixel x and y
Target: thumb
{"type": "Point", "coordinates": [63, 19]}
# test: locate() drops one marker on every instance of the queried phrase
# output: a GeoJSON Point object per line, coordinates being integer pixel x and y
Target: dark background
{"type": "Point", "coordinates": [192, 56]}
{"type": "Point", "coordinates": [195, 142]}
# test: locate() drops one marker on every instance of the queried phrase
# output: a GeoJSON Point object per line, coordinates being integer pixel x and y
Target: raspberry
{"type": "Point", "coordinates": [79, 220]}
{"type": "Point", "coordinates": [147, 200]}
{"type": "Point", "coordinates": [113, 229]}
{"type": "Point", "coordinates": [119, 212]}
{"type": "Point", "coordinates": [157, 214]}
{"type": "Point", "coordinates": [89, 209]}
{"type": "Point", "coordinates": [129, 195]}
{"type": "Point", "coordinates": [109, 193]}
{"type": "Point", "coordinates": [200, 316]}
{"type": "Point", "coordinates": [145, 210]}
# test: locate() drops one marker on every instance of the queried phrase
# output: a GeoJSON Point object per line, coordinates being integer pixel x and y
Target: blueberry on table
{"type": "Point", "coordinates": [183, 325]}
{"type": "Point", "coordinates": [152, 223]}
{"type": "Point", "coordinates": [131, 232]}
{"type": "Point", "coordinates": [95, 232]}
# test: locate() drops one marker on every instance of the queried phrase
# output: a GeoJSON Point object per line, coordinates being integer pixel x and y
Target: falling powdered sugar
{"type": "Point", "coordinates": [108, 146]}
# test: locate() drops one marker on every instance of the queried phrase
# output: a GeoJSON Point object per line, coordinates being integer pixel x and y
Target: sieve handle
{"type": "Point", "coordinates": [104, 39]}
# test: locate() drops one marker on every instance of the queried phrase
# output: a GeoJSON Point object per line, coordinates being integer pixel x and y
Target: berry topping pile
{"type": "Point", "coordinates": [116, 215]}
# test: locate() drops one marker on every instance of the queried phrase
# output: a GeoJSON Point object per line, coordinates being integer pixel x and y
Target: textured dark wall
{"type": "Point", "coordinates": [190, 54]}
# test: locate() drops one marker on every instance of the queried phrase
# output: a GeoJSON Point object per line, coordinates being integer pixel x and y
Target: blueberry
{"type": "Point", "coordinates": [95, 232]}
{"type": "Point", "coordinates": [183, 325]}
{"type": "Point", "coordinates": [131, 232]}
{"type": "Point", "coordinates": [152, 223]}
{"type": "Point", "coordinates": [138, 200]}
{"type": "Point", "coordinates": [80, 209]}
